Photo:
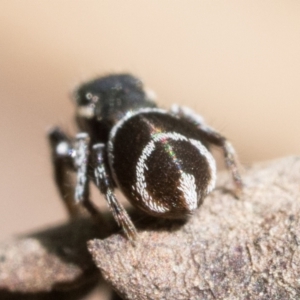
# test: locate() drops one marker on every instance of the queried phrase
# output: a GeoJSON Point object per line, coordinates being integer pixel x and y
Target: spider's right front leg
{"type": "Point", "coordinates": [105, 185]}
{"type": "Point", "coordinates": [68, 156]}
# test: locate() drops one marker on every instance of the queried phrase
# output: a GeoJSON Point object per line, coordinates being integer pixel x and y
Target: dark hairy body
{"type": "Point", "coordinates": [159, 159]}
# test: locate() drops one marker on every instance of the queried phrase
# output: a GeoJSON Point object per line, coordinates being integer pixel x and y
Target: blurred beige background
{"type": "Point", "coordinates": [235, 62]}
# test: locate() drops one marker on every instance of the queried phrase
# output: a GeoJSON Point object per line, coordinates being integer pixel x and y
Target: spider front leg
{"type": "Point", "coordinates": [215, 138]}
{"type": "Point", "coordinates": [105, 185]}
{"type": "Point", "coordinates": [67, 157]}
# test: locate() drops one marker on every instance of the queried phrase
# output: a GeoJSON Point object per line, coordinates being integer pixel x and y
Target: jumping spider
{"type": "Point", "coordinates": [158, 158]}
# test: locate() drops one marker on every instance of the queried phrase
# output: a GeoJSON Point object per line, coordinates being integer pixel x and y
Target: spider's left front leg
{"type": "Point", "coordinates": [212, 137]}
{"type": "Point", "coordinates": [104, 182]}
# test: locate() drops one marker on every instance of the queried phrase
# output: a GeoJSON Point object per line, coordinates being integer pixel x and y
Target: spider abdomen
{"type": "Point", "coordinates": [160, 164]}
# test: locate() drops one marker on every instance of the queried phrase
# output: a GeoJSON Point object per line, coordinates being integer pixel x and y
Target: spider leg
{"type": "Point", "coordinates": [67, 158]}
{"type": "Point", "coordinates": [105, 185]}
{"type": "Point", "coordinates": [81, 157]}
{"type": "Point", "coordinates": [62, 164]}
{"type": "Point", "coordinates": [215, 138]}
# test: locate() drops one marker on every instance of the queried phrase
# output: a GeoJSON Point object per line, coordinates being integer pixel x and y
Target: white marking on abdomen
{"type": "Point", "coordinates": [211, 164]}
{"type": "Point", "coordinates": [187, 181]}
{"type": "Point", "coordinates": [188, 188]}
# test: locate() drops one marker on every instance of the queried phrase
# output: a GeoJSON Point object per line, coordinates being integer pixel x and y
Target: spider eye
{"type": "Point", "coordinates": [89, 96]}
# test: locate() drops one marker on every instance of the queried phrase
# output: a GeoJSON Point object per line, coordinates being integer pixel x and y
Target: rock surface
{"type": "Point", "coordinates": [245, 248]}
{"type": "Point", "coordinates": [54, 259]}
